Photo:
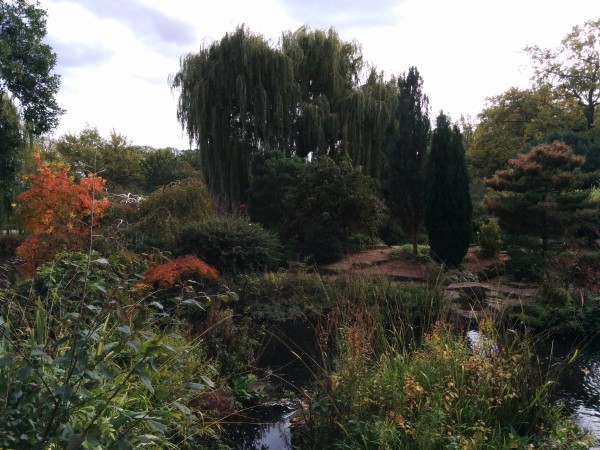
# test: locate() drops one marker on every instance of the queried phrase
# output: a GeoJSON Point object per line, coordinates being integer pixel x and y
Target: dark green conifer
{"type": "Point", "coordinates": [447, 199]}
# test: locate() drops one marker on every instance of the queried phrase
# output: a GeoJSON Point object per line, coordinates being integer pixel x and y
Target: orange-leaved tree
{"type": "Point", "coordinates": [173, 272]}
{"type": "Point", "coordinates": [57, 212]}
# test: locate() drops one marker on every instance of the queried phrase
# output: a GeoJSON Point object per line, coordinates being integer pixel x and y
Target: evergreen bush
{"type": "Point", "coordinates": [488, 238]}
{"type": "Point", "coordinates": [231, 244]}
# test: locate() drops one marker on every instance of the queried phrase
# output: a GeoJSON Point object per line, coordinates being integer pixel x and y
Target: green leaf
{"type": "Point", "coordinates": [208, 381]}
{"type": "Point", "coordinates": [146, 381]}
{"type": "Point", "coordinates": [195, 386]}
{"type": "Point", "coordinates": [192, 303]}
{"type": "Point", "coordinates": [37, 352]}
{"type": "Point", "coordinates": [157, 426]}
{"type": "Point", "coordinates": [124, 329]}
{"type": "Point", "coordinates": [6, 361]}
{"type": "Point", "coordinates": [102, 261]}
{"type": "Point", "coordinates": [99, 286]}
{"type": "Point", "coordinates": [184, 409]}
{"type": "Point", "coordinates": [148, 438]}
{"type": "Point", "coordinates": [158, 305]}
{"type": "Point", "coordinates": [134, 345]}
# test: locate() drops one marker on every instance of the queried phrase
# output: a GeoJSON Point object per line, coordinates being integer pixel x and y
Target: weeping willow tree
{"type": "Point", "coordinates": [242, 96]}
{"type": "Point", "coordinates": [366, 115]}
{"type": "Point", "coordinates": [234, 99]}
{"type": "Point", "coordinates": [326, 70]}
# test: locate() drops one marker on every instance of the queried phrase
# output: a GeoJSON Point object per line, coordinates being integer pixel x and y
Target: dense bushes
{"type": "Point", "coordinates": [231, 244]}
{"type": "Point", "coordinates": [317, 205]}
{"type": "Point", "coordinates": [164, 212]}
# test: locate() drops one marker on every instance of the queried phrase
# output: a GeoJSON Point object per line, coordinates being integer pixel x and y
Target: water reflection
{"type": "Point", "coordinates": [268, 429]}
{"type": "Point", "coordinates": [580, 385]}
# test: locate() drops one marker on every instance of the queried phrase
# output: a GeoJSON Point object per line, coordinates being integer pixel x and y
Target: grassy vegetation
{"type": "Point", "coordinates": [396, 383]}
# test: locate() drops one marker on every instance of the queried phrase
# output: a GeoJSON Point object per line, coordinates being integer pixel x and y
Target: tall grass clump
{"type": "Point", "coordinates": [397, 383]}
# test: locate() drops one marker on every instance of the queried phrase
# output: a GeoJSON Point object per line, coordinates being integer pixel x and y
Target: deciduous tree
{"type": "Point", "coordinates": [57, 213]}
{"type": "Point", "coordinates": [515, 119]}
{"type": "Point", "coordinates": [241, 96]}
{"type": "Point", "coordinates": [26, 64]}
{"type": "Point", "coordinates": [574, 67]}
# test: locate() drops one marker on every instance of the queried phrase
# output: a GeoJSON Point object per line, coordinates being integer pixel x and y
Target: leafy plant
{"type": "Point", "coordinates": [56, 212]}
{"type": "Point", "coordinates": [163, 214]}
{"type": "Point", "coordinates": [231, 244]}
{"type": "Point", "coordinates": [488, 238]}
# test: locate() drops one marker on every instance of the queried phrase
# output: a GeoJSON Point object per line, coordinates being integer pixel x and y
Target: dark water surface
{"type": "Point", "coordinates": [579, 384]}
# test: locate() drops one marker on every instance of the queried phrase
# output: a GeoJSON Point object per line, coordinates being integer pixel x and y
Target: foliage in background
{"type": "Point", "coordinates": [304, 98]}
{"type": "Point", "coordinates": [447, 199]}
{"type": "Point", "coordinates": [56, 213]}
{"type": "Point", "coordinates": [513, 120]}
{"type": "Point", "coordinates": [573, 69]}
{"type": "Point", "coordinates": [161, 167]}
{"type": "Point", "coordinates": [273, 174]}
{"type": "Point", "coordinates": [163, 214]}
{"type": "Point", "coordinates": [231, 244]}
{"type": "Point", "coordinates": [116, 158]}
{"type": "Point", "coordinates": [335, 195]}
{"type": "Point", "coordinates": [26, 65]}
{"type": "Point", "coordinates": [12, 144]}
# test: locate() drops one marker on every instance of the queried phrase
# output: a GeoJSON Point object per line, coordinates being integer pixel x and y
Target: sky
{"type": "Point", "coordinates": [115, 56]}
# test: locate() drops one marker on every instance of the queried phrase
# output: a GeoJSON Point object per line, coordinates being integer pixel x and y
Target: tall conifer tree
{"type": "Point", "coordinates": [406, 152]}
{"type": "Point", "coordinates": [447, 200]}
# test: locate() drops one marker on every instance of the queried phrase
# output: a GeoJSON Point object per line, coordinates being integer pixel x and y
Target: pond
{"type": "Point", "coordinates": [579, 384]}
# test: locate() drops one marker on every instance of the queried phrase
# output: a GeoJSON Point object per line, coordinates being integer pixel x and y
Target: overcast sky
{"type": "Point", "coordinates": [115, 56]}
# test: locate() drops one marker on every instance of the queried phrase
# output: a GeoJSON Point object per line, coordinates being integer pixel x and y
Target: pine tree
{"type": "Point", "coordinates": [537, 194]}
{"type": "Point", "coordinates": [447, 199]}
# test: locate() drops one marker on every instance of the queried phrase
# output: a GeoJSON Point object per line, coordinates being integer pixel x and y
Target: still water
{"type": "Point", "coordinates": [579, 385]}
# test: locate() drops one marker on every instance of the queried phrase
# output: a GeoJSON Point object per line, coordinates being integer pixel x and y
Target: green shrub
{"type": "Point", "coordinates": [488, 238]}
{"type": "Point", "coordinates": [231, 244]}
{"type": "Point", "coordinates": [164, 212]}
{"type": "Point", "coordinates": [281, 296]}
{"type": "Point", "coordinates": [358, 242]}
{"type": "Point", "coordinates": [78, 373]}
{"type": "Point", "coordinates": [333, 194]}
{"type": "Point", "coordinates": [322, 243]}
{"type": "Point", "coordinates": [406, 251]}
{"type": "Point", "coordinates": [528, 266]}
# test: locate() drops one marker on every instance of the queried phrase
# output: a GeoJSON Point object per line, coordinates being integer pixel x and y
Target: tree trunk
{"type": "Point", "coordinates": [414, 233]}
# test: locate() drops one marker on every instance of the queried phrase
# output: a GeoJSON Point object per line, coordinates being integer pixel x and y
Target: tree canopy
{"type": "Point", "coordinates": [536, 194]}
{"type": "Point", "coordinates": [241, 96]}
{"type": "Point", "coordinates": [574, 67]}
{"type": "Point", "coordinates": [516, 118]}
{"type": "Point", "coordinates": [26, 64]}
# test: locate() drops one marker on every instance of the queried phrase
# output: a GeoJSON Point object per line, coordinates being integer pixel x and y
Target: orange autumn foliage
{"type": "Point", "coordinates": [170, 273]}
{"type": "Point", "coordinates": [56, 212]}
